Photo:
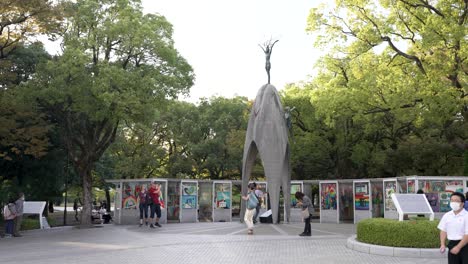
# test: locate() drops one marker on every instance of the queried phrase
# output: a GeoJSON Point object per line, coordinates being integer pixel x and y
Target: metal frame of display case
{"type": "Point", "coordinates": [182, 209]}
{"type": "Point", "coordinates": [369, 211]}
{"type": "Point", "coordinates": [214, 199]}
{"type": "Point", "coordinates": [322, 211]}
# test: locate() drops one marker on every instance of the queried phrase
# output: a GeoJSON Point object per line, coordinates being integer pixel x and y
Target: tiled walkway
{"type": "Point", "coordinates": [198, 243]}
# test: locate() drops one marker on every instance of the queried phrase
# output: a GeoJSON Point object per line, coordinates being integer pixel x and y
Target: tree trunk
{"type": "Point", "coordinates": [87, 194]}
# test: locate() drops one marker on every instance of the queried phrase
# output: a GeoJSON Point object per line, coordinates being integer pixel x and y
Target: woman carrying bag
{"type": "Point", "coordinates": [306, 204]}
{"type": "Point", "coordinates": [252, 203]}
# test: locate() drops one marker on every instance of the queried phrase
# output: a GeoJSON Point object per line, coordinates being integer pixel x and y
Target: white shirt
{"type": "Point", "coordinates": [456, 226]}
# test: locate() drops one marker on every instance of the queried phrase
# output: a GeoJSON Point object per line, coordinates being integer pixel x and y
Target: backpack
{"type": "Point", "coordinates": [7, 215]}
{"type": "Point", "coordinates": [148, 199]}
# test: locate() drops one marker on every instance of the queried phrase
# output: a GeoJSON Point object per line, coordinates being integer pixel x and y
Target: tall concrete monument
{"type": "Point", "coordinates": [267, 135]}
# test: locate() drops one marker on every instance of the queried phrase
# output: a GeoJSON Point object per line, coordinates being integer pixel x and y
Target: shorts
{"type": "Point", "coordinates": [155, 208]}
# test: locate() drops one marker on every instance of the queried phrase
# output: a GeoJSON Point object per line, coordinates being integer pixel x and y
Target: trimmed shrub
{"type": "Point", "coordinates": [393, 233]}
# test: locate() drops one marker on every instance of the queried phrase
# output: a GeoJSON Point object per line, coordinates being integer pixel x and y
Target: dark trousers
{"type": "Point", "coordinates": [307, 228]}
{"type": "Point", "coordinates": [18, 221]}
{"type": "Point", "coordinates": [143, 211]}
{"type": "Point", "coordinates": [155, 208]}
{"type": "Point", "coordinates": [9, 226]}
{"type": "Point", "coordinates": [257, 211]}
{"type": "Point", "coordinates": [461, 257]}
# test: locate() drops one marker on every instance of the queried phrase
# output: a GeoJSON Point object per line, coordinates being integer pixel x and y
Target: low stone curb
{"type": "Point", "coordinates": [353, 244]}
{"type": "Point", "coordinates": [52, 229]}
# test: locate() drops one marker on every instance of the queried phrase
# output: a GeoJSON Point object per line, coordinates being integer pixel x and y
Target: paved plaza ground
{"type": "Point", "coordinates": [191, 243]}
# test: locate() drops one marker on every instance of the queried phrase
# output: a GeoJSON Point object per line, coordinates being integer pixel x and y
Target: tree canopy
{"type": "Point", "coordinates": [394, 74]}
{"type": "Point", "coordinates": [118, 65]}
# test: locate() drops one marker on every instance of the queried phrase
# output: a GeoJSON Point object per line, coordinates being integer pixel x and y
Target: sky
{"type": "Point", "coordinates": [221, 38]}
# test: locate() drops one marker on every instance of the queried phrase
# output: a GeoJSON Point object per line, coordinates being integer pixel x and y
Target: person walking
{"type": "Point", "coordinates": [155, 193]}
{"type": "Point", "coordinates": [9, 214]}
{"type": "Point", "coordinates": [252, 203]}
{"type": "Point", "coordinates": [454, 226]}
{"type": "Point", "coordinates": [142, 205]}
{"type": "Point", "coordinates": [260, 199]}
{"type": "Point", "coordinates": [306, 204]}
{"type": "Point", "coordinates": [19, 205]}
{"type": "Point", "coordinates": [75, 208]}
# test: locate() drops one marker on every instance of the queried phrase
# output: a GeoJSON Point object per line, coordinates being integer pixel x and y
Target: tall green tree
{"type": "Point", "coordinates": [136, 153]}
{"type": "Point", "coordinates": [222, 119]}
{"type": "Point", "coordinates": [395, 71]}
{"type": "Point", "coordinates": [25, 131]}
{"type": "Point", "coordinates": [312, 149]}
{"type": "Point", "coordinates": [184, 140]}
{"type": "Point", "coordinates": [21, 20]}
{"type": "Point", "coordinates": [118, 64]}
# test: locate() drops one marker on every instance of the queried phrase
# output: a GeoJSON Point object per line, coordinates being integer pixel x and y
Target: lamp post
{"type": "Point", "coordinates": [66, 193]}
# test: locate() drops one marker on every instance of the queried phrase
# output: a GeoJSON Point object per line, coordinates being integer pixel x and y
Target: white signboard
{"type": "Point", "coordinates": [36, 208]}
{"type": "Point", "coordinates": [408, 203]}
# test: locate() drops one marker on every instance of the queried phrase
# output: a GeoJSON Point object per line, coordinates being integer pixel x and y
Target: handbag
{"type": "Point", "coordinates": [252, 202]}
{"type": "Point", "coordinates": [305, 213]}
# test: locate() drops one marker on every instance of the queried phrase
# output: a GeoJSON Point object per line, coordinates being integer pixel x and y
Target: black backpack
{"type": "Point", "coordinates": [148, 199]}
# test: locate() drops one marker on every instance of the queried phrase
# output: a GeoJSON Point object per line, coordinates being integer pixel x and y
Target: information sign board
{"type": "Point", "coordinates": [36, 208]}
{"type": "Point", "coordinates": [408, 203]}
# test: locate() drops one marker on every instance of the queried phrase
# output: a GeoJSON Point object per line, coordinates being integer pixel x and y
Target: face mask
{"type": "Point", "coordinates": [455, 206]}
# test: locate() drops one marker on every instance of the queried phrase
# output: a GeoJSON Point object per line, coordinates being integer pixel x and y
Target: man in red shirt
{"type": "Point", "coordinates": [155, 192]}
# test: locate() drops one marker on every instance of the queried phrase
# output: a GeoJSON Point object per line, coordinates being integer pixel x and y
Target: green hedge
{"type": "Point", "coordinates": [420, 233]}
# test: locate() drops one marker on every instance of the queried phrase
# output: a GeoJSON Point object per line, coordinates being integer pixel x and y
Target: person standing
{"type": "Point", "coordinates": [259, 195]}
{"type": "Point", "coordinates": [76, 207]}
{"type": "Point", "coordinates": [19, 204]}
{"type": "Point", "coordinates": [9, 214]}
{"type": "Point", "coordinates": [420, 191]}
{"type": "Point", "coordinates": [306, 204]}
{"type": "Point", "coordinates": [454, 227]}
{"type": "Point", "coordinates": [252, 203]}
{"type": "Point", "coordinates": [142, 205]}
{"type": "Point", "coordinates": [155, 193]}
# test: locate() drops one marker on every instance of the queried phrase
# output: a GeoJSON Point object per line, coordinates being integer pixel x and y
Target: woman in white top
{"type": "Point", "coordinates": [454, 227]}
